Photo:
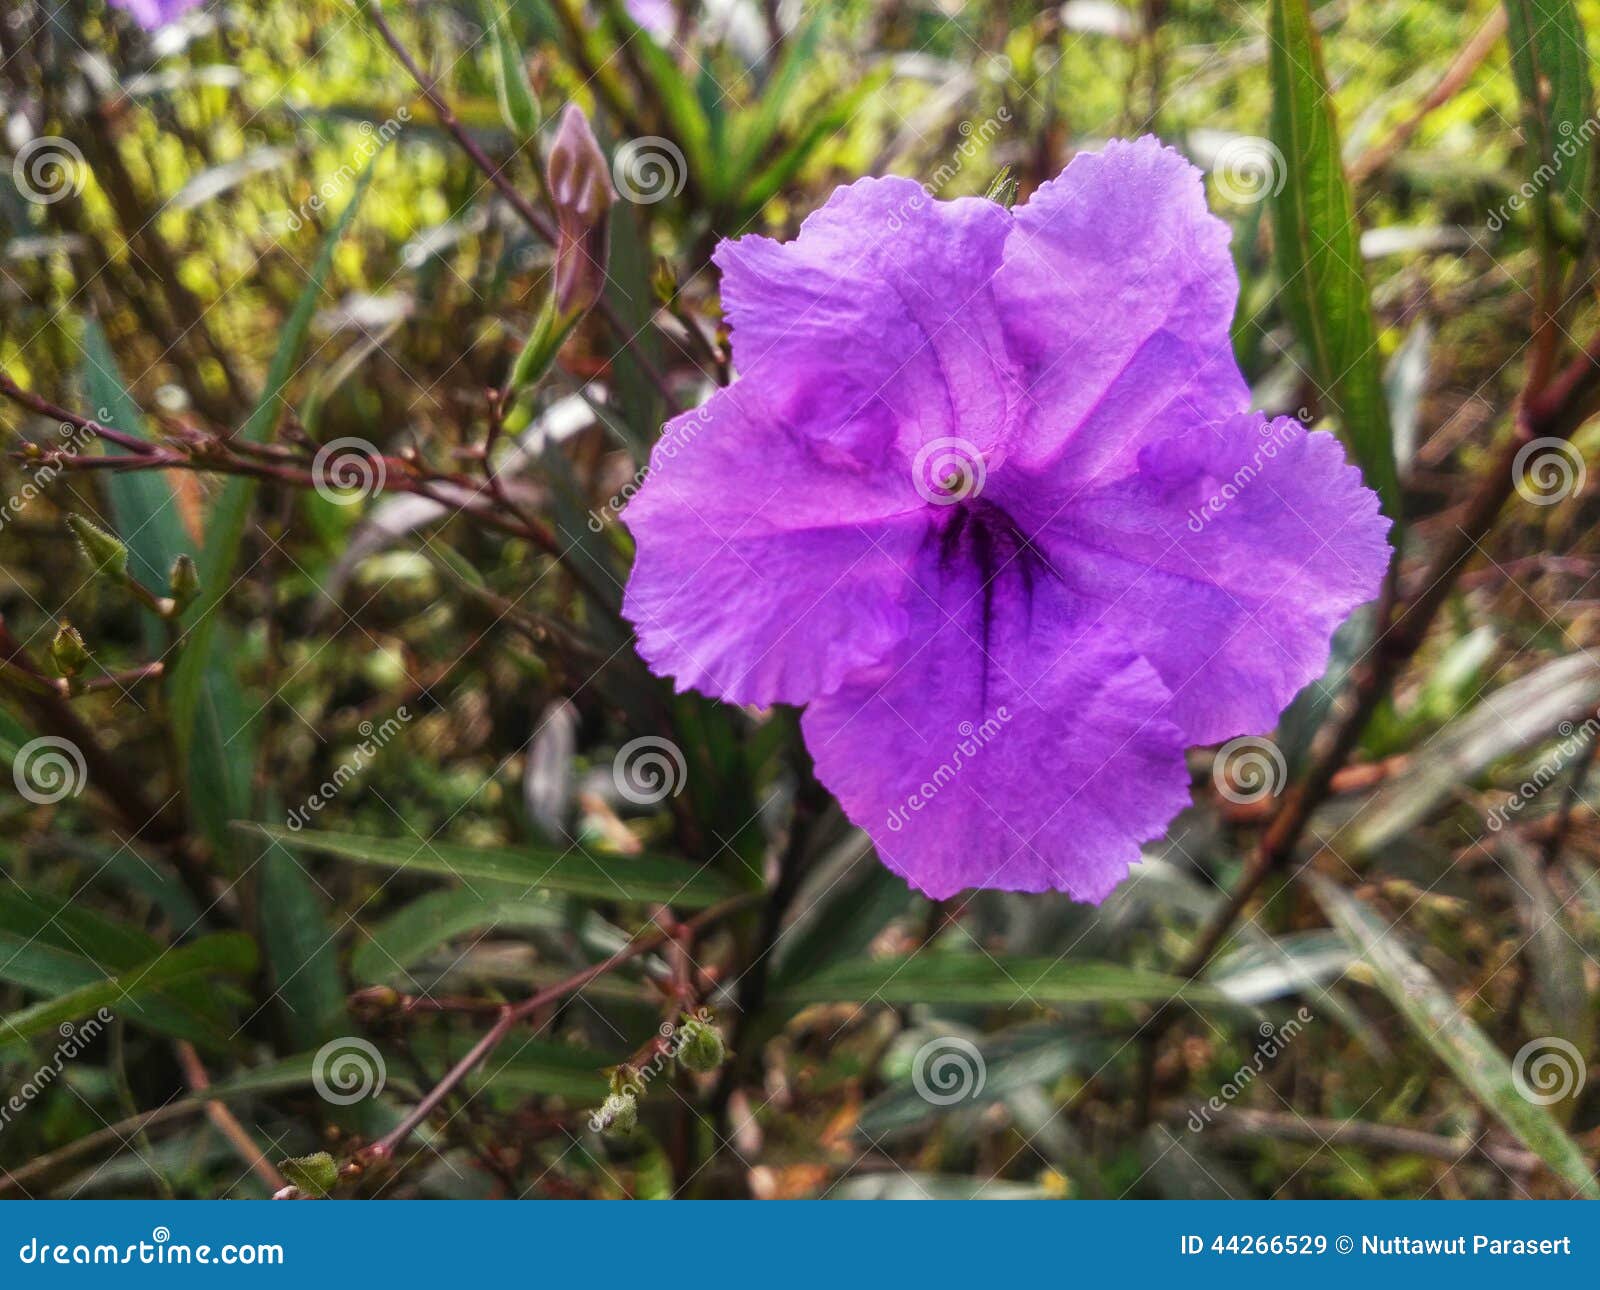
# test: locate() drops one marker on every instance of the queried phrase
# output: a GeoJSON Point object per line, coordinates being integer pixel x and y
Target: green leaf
{"type": "Point", "coordinates": [533, 868]}
{"type": "Point", "coordinates": [1317, 244]}
{"type": "Point", "coordinates": [1550, 63]}
{"type": "Point", "coordinates": [194, 689]}
{"type": "Point", "coordinates": [316, 1175]}
{"type": "Point", "coordinates": [437, 918]}
{"type": "Point", "coordinates": [842, 922]}
{"type": "Point", "coordinates": [1458, 1042]}
{"type": "Point", "coordinates": [959, 978]}
{"type": "Point", "coordinates": [142, 503]}
{"type": "Point", "coordinates": [518, 108]}
{"type": "Point", "coordinates": [231, 953]}
{"type": "Point", "coordinates": [299, 945]}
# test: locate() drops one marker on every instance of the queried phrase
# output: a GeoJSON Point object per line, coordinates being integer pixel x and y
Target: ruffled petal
{"type": "Point", "coordinates": [1117, 293]}
{"type": "Point", "coordinates": [1021, 766]}
{"type": "Point", "coordinates": [876, 328]}
{"type": "Point", "coordinates": [765, 574]}
{"type": "Point", "coordinates": [1227, 560]}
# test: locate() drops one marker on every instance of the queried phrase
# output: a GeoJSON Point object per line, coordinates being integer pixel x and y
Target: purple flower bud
{"type": "Point", "coordinates": [580, 187]}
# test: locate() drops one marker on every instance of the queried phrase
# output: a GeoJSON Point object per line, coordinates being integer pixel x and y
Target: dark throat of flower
{"type": "Point", "coordinates": [977, 539]}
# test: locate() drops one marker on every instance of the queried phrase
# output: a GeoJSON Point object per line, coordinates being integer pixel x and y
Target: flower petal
{"type": "Point", "coordinates": [1117, 293]}
{"type": "Point", "coordinates": [1020, 767]}
{"type": "Point", "coordinates": [765, 574]}
{"type": "Point", "coordinates": [1227, 560]}
{"type": "Point", "coordinates": [876, 326]}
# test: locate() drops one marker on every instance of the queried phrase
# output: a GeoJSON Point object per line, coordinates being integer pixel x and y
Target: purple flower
{"type": "Point", "coordinates": [988, 499]}
{"type": "Point", "coordinates": [151, 14]}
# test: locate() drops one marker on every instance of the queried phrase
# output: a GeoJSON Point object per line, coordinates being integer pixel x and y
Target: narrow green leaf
{"type": "Point", "coordinates": [1457, 1041]}
{"type": "Point", "coordinates": [231, 953]}
{"type": "Point", "coordinates": [225, 526]}
{"type": "Point", "coordinates": [1550, 64]}
{"type": "Point", "coordinates": [142, 503]}
{"type": "Point", "coordinates": [518, 108]}
{"type": "Point", "coordinates": [439, 917]}
{"type": "Point", "coordinates": [533, 868]}
{"type": "Point", "coordinates": [299, 947]}
{"type": "Point", "coordinates": [842, 922]}
{"type": "Point", "coordinates": [959, 978]}
{"type": "Point", "coordinates": [1317, 245]}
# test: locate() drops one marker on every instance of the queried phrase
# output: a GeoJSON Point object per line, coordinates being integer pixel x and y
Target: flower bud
{"type": "Point", "coordinates": [68, 652]}
{"type": "Point", "coordinates": [183, 583]}
{"type": "Point", "coordinates": [105, 552]}
{"type": "Point", "coordinates": [580, 187]}
{"type": "Point", "coordinates": [618, 1114]}
{"type": "Point", "coordinates": [700, 1046]}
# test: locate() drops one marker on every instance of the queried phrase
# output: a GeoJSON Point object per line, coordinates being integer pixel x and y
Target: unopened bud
{"type": "Point", "coordinates": [663, 281]}
{"type": "Point", "coordinates": [700, 1046]}
{"type": "Point", "coordinates": [619, 1114]}
{"type": "Point", "coordinates": [105, 552]}
{"type": "Point", "coordinates": [183, 583]}
{"type": "Point", "coordinates": [68, 652]}
{"type": "Point", "coordinates": [580, 188]}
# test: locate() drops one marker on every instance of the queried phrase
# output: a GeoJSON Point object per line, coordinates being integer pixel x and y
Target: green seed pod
{"type": "Point", "coordinates": [68, 652]}
{"type": "Point", "coordinates": [619, 1115]}
{"type": "Point", "coordinates": [700, 1046]}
